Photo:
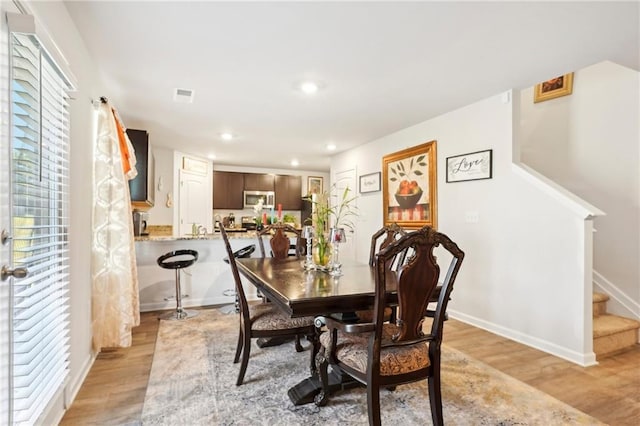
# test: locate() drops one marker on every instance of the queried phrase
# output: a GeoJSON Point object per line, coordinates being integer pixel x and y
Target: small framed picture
{"type": "Point", "coordinates": [314, 185]}
{"type": "Point", "coordinates": [554, 88]}
{"type": "Point", "coordinates": [370, 182]}
{"type": "Point", "coordinates": [194, 165]}
{"type": "Point", "coordinates": [472, 166]}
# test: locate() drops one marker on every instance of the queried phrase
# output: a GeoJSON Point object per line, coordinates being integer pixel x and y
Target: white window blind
{"type": "Point", "coordinates": [40, 206]}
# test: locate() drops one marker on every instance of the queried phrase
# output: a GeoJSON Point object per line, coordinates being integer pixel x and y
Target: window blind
{"type": "Point", "coordinates": [40, 207]}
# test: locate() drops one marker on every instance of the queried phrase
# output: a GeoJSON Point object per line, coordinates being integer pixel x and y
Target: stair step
{"type": "Point", "coordinates": [613, 334]}
{"type": "Point", "coordinates": [600, 304]}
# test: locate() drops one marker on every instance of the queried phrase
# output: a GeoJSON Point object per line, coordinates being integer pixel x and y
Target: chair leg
{"type": "Point", "coordinates": [239, 346]}
{"type": "Point", "coordinates": [373, 405]}
{"type": "Point", "coordinates": [314, 338]}
{"type": "Point", "coordinates": [435, 399]}
{"type": "Point", "coordinates": [245, 357]}
{"type": "Point", "coordinates": [323, 365]}
{"type": "Point", "coordinates": [299, 347]}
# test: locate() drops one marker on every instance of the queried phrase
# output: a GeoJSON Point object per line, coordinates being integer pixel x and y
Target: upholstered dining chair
{"type": "Point", "coordinates": [277, 236]}
{"type": "Point", "coordinates": [382, 238]}
{"type": "Point", "coordinates": [379, 240]}
{"type": "Point", "coordinates": [279, 240]}
{"type": "Point", "coordinates": [261, 319]}
{"type": "Point", "coordinates": [381, 354]}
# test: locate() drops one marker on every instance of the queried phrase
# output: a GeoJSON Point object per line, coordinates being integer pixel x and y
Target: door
{"type": "Point", "coordinates": [195, 201]}
{"type": "Point", "coordinates": [344, 179]}
{"type": "Point", "coordinates": [5, 313]}
{"type": "Point", "coordinates": [5, 155]}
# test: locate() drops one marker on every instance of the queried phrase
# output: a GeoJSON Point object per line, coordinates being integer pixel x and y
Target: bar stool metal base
{"type": "Point", "coordinates": [179, 314]}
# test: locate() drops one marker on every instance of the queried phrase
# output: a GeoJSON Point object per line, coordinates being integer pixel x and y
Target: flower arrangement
{"type": "Point", "coordinates": [336, 211]}
{"type": "Point", "coordinates": [258, 211]}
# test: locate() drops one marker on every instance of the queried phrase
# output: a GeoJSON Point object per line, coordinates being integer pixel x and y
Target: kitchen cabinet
{"type": "Point", "coordinates": [142, 187]}
{"type": "Point", "coordinates": [258, 182]}
{"type": "Point", "coordinates": [227, 190]}
{"type": "Point", "coordinates": [288, 191]}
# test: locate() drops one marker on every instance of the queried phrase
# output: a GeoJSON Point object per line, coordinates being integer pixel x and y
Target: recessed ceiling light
{"type": "Point", "coordinates": [211, 156]}
{"type": "Point", "coordinates": [295, 163]}
{"type": "Point", "coordinates": [331, 147]}
{"type": "Point", "coordinates": [309, 87]}
{"type": "Point", "coordinates": [226, 136]}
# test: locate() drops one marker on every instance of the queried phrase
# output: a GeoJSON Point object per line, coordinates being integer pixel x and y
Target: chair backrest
{"type": "Point", "coordinates": [279, 241]}
{"type": "Point", "coordinates": [382, 238]}
{"type": "Point", "coordinates": [242, 299]}
{"type": "Point", "coordinates": [415, 281]}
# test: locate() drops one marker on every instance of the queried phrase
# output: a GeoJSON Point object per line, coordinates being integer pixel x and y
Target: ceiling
{"type": "Point", "coordinates": [382, 66]}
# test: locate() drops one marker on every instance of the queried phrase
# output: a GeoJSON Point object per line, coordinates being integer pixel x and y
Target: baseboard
{"type": "Point", "coordinates": [582, 359]}
{"type": "Point", "coordinates": [71, 391]}
{"type": "Point", "coordinates": [631, 308]}
{"type": "Point", "coordinates": [58, 407]}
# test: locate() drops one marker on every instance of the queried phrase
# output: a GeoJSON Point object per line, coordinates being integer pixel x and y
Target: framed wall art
{"type": "Point", "coordinates": [472, 166]}
{"type": "Point", "coordinates": [314, 185]}
{"type": "Point", "coordinates": [194, 165]}
{"type": "Point", "coordinates": [370, 182]}
{"type": "Point", "coordinates": [554, 88]}
{"type": "Point", "coordinates": [409, 183]}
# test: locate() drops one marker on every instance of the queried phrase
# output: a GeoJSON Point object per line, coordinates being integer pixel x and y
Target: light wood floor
{"type": "Point", "coordinates": [113, 393]}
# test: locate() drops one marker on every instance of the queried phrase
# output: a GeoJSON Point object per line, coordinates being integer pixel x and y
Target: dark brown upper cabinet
{"type": "Point", "coordinates": [227, 190]}
{"type": "Point", "coordinates": [258, 182]}
{"type": "Point", "coordinates": [289, 192]}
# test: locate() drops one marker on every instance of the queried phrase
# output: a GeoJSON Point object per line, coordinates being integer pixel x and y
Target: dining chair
{"type": "Point", "coordinates": [379, 240]}
{"type": "Point", "coordinates": [281, 248]}
{"type": "Point", "coordinates": [279, 241]}
{"type": "Point", "coordinates": [381, 354]}
{"type": "Point", "coordinates": [382, 238]}
{"type": "Point", "coordinates": [262, 320]}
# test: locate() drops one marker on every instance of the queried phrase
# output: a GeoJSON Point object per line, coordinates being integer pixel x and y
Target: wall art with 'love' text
{"type": "Point", "coordinates": [472, 166]}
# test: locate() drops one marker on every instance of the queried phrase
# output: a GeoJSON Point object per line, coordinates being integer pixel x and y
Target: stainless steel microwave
{"type": "Point", "coordinates": [252, 198]}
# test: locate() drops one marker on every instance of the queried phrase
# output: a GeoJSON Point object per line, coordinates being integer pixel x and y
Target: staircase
{"type": "Point", "coordinates": [611, 334]}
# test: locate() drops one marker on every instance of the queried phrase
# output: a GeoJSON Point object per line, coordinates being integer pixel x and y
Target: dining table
{"type": "Point", "coordinates": [298, 292]}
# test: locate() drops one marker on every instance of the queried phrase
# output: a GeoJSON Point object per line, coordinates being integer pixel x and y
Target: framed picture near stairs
{"type": "Point", "coordinates": [554, 88]}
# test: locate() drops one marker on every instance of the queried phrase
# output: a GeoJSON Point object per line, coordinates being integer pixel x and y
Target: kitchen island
{"type": "Point", "coordinates": [208, 282]}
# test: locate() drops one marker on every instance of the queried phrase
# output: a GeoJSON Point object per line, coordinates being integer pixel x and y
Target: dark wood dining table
{"type": "Point", "coordinates": [312, 293]}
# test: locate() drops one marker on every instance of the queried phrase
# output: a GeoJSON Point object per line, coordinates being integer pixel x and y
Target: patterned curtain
{"type": "Point", "coordinates": [115, 303]}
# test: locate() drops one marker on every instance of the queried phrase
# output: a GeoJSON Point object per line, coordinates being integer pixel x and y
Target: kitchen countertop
{"type": "Point", "coordinates": [231, 233]}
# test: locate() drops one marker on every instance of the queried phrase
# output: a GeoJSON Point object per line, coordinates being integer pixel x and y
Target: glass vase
{"type": "Point", "coordinates": [322, 253]}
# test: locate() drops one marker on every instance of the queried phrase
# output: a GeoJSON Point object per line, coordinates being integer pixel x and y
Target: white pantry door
{"type": "Point", "coordinates": [195, 201]}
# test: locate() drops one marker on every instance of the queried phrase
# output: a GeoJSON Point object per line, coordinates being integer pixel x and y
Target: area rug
{"type": "Point", "coordinates": [193, 377]}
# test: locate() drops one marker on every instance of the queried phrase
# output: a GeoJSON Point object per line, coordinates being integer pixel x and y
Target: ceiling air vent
{"type": "Point", "coordinates": [183, 95]}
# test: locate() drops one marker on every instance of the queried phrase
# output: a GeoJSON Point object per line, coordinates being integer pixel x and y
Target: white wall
{"type": "Point", "coordinates": [523, 274]}
{"type": "Point", "coordinates": [589, 143]}
{"type": "Point", "coordinates": [160, 213]}
{"type": "Point", "coordinates": [54, 18]}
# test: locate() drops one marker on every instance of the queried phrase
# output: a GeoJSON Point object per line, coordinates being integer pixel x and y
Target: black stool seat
{"type": "Point", "coordinates": [178, 264]}
{"type": "Point", "coordinates": [185, 258]}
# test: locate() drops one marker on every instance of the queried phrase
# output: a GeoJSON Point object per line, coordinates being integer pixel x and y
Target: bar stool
{"type": "Point", "coordinates": [188, 258]}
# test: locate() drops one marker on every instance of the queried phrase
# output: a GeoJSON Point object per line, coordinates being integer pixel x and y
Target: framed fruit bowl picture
{"type": "Point", "coordinates": [409, 193]}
